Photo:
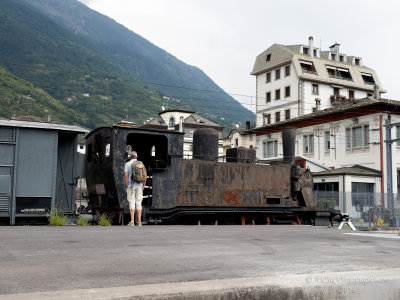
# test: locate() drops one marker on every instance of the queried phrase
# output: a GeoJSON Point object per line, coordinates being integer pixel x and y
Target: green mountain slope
{"type": "Point", "coordinates": [19, 97]}
{"type": "Point", "coordinates": [35, 48]}
{"type": "Point", "coordinates": [92, 78]}
{"type": "Point", "coordinates": [142, 60]}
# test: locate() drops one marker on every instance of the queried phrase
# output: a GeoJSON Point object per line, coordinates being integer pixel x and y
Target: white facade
{"type": "Point", "coordinates": [345, 183]}
{"type": "Point", "coordinates": [237, 139]}
{"type": "Point", "coordinates": [279, 98]}
{"type": "Point", "coordinates": [172, 118]}
{"type": "Point", "coordinates": [342, 143]}
{"type": "Point", "coordinates": [296, 80]}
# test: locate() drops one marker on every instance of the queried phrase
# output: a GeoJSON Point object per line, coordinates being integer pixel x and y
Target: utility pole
{"type": "Point", "coordinates": [389, 141]}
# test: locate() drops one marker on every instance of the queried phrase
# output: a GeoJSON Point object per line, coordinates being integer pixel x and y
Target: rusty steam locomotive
{"type": "Point", "coordinates": [201, 189]}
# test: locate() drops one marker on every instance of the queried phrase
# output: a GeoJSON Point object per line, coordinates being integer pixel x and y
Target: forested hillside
{"type": "Point", "coordinates": [19, 97]}
{"type": "Point", "coordinates": [100, 70]}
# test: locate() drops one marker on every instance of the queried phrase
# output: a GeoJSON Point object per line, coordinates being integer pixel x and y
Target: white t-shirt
{"type": "Point", "coordinates": [128, 169]}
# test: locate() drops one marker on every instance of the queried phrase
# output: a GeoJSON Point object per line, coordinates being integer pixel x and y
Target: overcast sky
{"type": "Point", "coordinates": [223, 37]}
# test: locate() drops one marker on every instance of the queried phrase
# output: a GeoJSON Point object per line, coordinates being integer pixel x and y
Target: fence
{"type": "Point", "coordinates": [373, 211]}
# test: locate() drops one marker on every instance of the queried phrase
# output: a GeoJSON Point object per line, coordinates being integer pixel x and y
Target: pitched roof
{"type": "Point", "coordinates": [193, 120]}
{"type": "Point", "coordinates": [279, 55]}
{"type": "Point", "coordinates": [158, 120]}
{"type": "Point", "coordinates": [357, 170]}
{"type": "Point", "coordinates": [176, 110]}
{"type": "Point", "coordinates": [242, 130]}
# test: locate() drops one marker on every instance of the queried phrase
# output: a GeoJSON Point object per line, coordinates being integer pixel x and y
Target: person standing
{"type": "Point", "coordinates": [134, 191]}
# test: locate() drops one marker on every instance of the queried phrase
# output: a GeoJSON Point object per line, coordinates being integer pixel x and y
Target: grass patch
{"type": "Point", "coordinates": [57, 218]}
{"type": "Point", "coordinates": [105, 220]}
{"type": "Point", "coordinates": [82, 221]}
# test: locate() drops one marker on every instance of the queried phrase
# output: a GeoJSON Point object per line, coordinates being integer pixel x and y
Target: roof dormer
{"type": "Point", "coordinates": [305, 50]}
{"type": "Point", "coordinates": [334, 52]}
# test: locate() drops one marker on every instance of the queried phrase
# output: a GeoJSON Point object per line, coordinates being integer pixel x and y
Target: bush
{"type": "Point", "coordinates": [105, 220]}
{"type": "Point", "coordinates": [57, 218]}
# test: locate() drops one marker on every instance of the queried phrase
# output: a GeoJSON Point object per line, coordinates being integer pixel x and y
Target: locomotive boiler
{"type": "Point", "coordinates": [201, 189]}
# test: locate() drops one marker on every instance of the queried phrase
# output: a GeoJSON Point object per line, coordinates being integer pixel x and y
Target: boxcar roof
{"type": "Point", "coordinates": [40, 125]}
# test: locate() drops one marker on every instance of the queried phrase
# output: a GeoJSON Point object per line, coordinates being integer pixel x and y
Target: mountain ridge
{"type": "Point", "coordinates": [86, 65]}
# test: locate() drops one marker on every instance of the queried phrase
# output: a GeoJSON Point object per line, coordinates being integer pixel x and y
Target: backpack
{"type": "Point", "coordinates": [139, 173]}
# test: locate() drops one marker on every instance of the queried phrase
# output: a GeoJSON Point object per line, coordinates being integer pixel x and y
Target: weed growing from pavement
{"type": "Point", "coordinates": [82, 221]}
{"type": "Point", "coordinates": [57, 218]}
{"type": "Point", "coordinates": [104, 220]}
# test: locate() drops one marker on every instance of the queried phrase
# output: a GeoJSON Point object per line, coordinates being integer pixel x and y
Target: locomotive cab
{"type": "Point", "coordinates": [152, 150]}
{"type": "Point", "coordinates": [106, 157]}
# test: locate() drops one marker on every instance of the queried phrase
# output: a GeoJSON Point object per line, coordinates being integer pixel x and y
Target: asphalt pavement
{"type": "Point", "coordinates": [210, 262]}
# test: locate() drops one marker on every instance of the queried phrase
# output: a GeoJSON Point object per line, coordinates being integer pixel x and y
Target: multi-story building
{"type": "Point", "coordinates": [351, 140]}
{"type": "Point", "coordinates": [184, 121]}
{"type": "Point", "coordinates": [297, 80]}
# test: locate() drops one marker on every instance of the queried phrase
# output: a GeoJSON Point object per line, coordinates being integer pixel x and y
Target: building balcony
{"type": "Point", "coordinates": [339, 99]}
{"type": "Point", "coordinates": [309, 71]}
{"type": "Point", "coordinates": [338, 76]}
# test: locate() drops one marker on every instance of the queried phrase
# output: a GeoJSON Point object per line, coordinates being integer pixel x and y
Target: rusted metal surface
{"type": "Point", "coordinates": [178, 186]}
{"type": "Point", "coordinates": [204, 183]}
{"type": "Point", "coordinates": [205, 144]}
{"type": "Point", "coordinates": [241, 154]}
{"type": "Point", "coordinates": [288, 145]}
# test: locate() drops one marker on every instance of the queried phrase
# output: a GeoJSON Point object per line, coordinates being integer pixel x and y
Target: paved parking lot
{"type": "Point", "coordinates": [63, 259]}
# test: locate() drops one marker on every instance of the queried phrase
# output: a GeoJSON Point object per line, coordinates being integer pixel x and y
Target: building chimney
{"type": "Point", "coordinates": [181, 124]}
{"type": "Point", "coordinates": [311, 46]}
{"type": "Point", "coordinates": [247, 125]}
{"type": "Point", "coordinates": [376, 92]}
{"type": "Point", "coordinates": [337, 52]}
{"type": "Point", "coordinates": [335, 48]}
{"type": "Point", "coordinates": [317, 104]}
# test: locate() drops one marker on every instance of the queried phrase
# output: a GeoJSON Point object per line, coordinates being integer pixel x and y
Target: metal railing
{"type": "Point", "coordinates": [374, 211]}
{"type": "Point", "coordinates": [339, 99]}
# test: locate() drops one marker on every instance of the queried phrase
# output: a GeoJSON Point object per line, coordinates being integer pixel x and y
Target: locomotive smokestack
{"type": "Point", "coordinates": [205, 144]}
{"type": "Point", "coordinates": [288, 144]}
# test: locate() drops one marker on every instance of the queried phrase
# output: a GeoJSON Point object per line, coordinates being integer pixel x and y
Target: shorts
{"type": "Point", "coordinates": [135, 197]}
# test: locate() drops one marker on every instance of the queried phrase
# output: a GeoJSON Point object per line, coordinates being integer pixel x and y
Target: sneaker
{"type": "Point", "coordinates": [131, 224]}
{"type": "Point", "coordinates": [140, 224]}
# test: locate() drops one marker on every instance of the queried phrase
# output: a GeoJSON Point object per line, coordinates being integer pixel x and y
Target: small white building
{"type": "Point", "coordinates": [297, 80]}
{"type": "Point", "coordinates": [240, 137]}
{"type": "Point", "coordinates": [184, 121]}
